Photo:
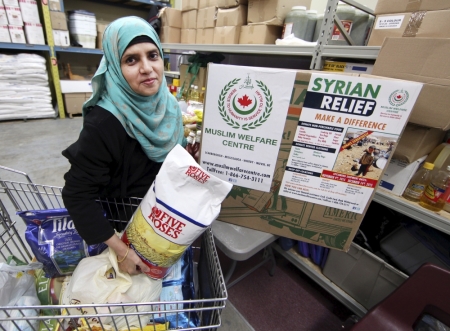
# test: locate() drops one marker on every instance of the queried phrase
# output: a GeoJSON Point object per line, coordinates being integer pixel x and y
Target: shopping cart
{"type": "Point", "coordinates": [211, 290]}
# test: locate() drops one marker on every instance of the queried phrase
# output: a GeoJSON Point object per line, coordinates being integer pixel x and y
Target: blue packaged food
{"type": "Point", "coordinates": [55, 242]}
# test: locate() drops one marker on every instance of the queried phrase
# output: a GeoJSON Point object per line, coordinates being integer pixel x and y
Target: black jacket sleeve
{"type": "Point", "coordinates": [93, 158]}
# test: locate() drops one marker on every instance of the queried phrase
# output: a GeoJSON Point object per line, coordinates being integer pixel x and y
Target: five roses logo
{"type": "Point", "coordinates": [245, 106]}
{"type": "Point", "coordinates": [398, 98]}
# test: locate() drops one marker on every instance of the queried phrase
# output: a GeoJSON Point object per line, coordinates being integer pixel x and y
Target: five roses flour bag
{"type": "Point", "coordinates": [181, 203]}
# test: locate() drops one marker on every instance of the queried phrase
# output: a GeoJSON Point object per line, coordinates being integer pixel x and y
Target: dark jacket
{"type": "Point", "coordinates": [105, 162]}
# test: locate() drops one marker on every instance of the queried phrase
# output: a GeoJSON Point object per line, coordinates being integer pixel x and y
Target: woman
{"type": "Point", "coordinates": [130, 124]}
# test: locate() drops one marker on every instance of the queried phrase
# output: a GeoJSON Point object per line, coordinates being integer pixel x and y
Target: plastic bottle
{"type": "Point", "coordinates": [296, 22]}
{"type": "Point", "coordinates": [431, 197]}
{"type": "Point", "coordinates": [201, 96]}
{"type": "Point", "coordinates": [418, 183]}
{"type": "Point", "coordinates": [311, 26]}
{"type": "Point", "coordinates": [318, 27]}
{"type": "Point", "coordinates": [346, 14]}
{"type": "Point", "coordinates": [359, 27]}
{"type": "Point", "coordinates": [440, 156]}
{"type": "Point", "coordinates": [195, 94]}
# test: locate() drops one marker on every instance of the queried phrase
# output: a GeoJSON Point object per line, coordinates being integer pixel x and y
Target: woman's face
{"type": "Point", "coordinates": [143, 68]}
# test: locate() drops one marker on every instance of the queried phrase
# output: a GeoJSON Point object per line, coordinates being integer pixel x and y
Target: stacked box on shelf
{"type": "Point", "coordinates": [15, 21]}
{"type": "Point", "coordinates": [206, 21]}
{"type": "Point", "coordinates": [189, 21]}
{"type": "Point", "coordinates": [170, 25]}
{"type": "Point", "coordinates": [34, 31]}
{"type": "Point", "coordinates": [228, 25]}
{"type": "Point", "coordinates": [101, 27]}
{"type": "Point", "coordinates": [83, 28]}
{"type": "Point", "coordinates": [4, 32]}
{"type": "Point", "coordinates": [59, 28]}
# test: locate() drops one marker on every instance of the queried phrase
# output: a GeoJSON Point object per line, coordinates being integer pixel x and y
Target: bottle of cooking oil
{"type": "Point", "coordinates": [431, 197]}
{"type": "Point", "coordinates": [418, 182]}
{"type": "Point", "coordinates": [202, 95]}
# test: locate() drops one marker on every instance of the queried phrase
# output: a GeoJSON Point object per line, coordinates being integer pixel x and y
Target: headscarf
{"type": "Point", "coordinates": [154, 121]}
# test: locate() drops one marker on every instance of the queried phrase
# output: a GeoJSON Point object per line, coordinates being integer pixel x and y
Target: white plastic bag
{"type": "Point", "coordinates": [97, 279]}
{"type": "Point", "coordinates": [17, 288]}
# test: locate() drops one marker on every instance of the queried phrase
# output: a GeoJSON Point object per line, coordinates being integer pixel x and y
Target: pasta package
{"type": "Point", "coordinates": [182, 202]}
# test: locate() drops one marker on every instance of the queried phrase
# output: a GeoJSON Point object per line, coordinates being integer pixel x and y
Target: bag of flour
{"type": "Point", "coordinates": [182, 202]}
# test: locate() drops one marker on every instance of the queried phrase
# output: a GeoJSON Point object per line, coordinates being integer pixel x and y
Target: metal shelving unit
{"type": "Point", "coordinates": [25, 47]}
{"type": "Point", "coordinates": [78, 50]}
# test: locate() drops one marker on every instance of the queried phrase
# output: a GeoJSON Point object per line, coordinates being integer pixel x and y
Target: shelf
{"type": "Point", "coordinates": [354, 52]}
{"type": "Point", "coordinates": [78, 50]}
{"type": "Point", "coordinates": [438, 220]}
{"type": "Point", "coordinates": [24, 47]}
{"type": "Point", "coordinates": [314, 272]}
{"type": "Point", "coordinates": [133, 3]}
{"type": "Point", "coordinates": [172, 74]}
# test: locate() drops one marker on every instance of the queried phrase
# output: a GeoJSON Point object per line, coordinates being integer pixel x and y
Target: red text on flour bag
{"type": "Point", "coordinates": [166, 223]}
{"type": "Point", "coordinates": [198, 174]}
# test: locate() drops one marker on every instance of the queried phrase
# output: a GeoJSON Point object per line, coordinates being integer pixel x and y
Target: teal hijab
{"type": "Point", "coordinates": [154, 121]}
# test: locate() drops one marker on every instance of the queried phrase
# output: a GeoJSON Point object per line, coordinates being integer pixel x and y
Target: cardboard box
{"type": "Point", "coordinates": [422, 60]}
{"type": "Point", "coordinates": [3, 16]}
{"type": "Point", "coordinates": [204, 36]}
{"type": "Point", "coordinates": [12, 3]}
{"type": "Point", "coordinates": [29, 9]}
{"type": "Point", "coordinates": [207, 3]}
{"type": "Point", "coordinates": [171, 17]}
{"type": "Point", "coordinates": [361, 68]}
{"type": "Point", "coordinates": [417, 141]}
{"type": "Point", "coordinates": [236, 16]}
{"type": "Point", "coordinates": [17, 34]}
{"type": "Point", "coordinates": [75, 86]}
{"type": "Point", "coordinates": [59, 21]}
{"type": "Point", "coordinates": [259, 34]}
{"type": "Point", "coordinates": [4, 34]}
{"type": "Point", "coordinates": [169, 34]}
{"type": "Point", "coordinates": [14, 15]}
{"type": "Point", "coordinates": [272, 12]}
{"type": "Point", "coordinates": [405, 6]}
{"type": "Point", "coordinates": [187, 5]}
{"type": "Point", "coordinates": [61, 38]}
{"type": "Point", "coordinates": [54, 5]}
{"type": "Point", "coordinates": [189, 19]}
{"type": "Point", "coordinates": [398, 173]}
{"type": "Point", "coordinates": [206, 18]}
{"type": "Point", "coordinates": [100, 30]}
{"type": "Point", "coordinates": [186, 78]}
{"type": "Point", "coordinates": [188, 36]}
{"type": "Point", "coordinates": [432, 24]}
{"type": "Point", "coordinates": [231, 3]}
{"type": "Point", "coordinates": [34, 33]}
{"type": "Point", "coordinates": [226, 34]}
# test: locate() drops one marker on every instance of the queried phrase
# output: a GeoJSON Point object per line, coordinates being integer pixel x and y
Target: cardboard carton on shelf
{"type": "Point", "coordinates": [206, 18]}
{"type": "Point", "coordinates": [170, 17]}
{"type": "Point", "coordinates": [272, 12]}
{"type": "Point", "coordinates": [3, 16]}
{"type": "Point", "coordinates": [226, 34]}
{"type": "Point", "coordinates": [59, 20]}
{"type": "Point", "coordinates": [29, 10]}
{"type": "Point", "coordinates": [34, 33]}
{"type": "Point", "coordinates": [204, 36]}
{"type": "Point", "coordinates": [431, 24]}
{"type": "Point", "coordinates": [422, 60]}
{"type": "Point", "coordinates": [14, 15]}
{"type": "Point", "coordinates": [408, 6]}
{"type": "Point", "coordinates": [74, 102]}
{"type": "Point", "coordinates": [54, 5]}
{"type": "Point", "coordinates": [17, 34]}
{"type": "Point", "coordinates": [188, 36]}
{"type": "Point", "coordinates": [13, 3]}
{"type": "Point", "coordinates": [187, 5]}
{"type": "Point", "coordinates": [235, 16]}
{"type": "Point", "coordinates": [170, 34]}
{"type": "Point", "coordinates": [101, 27]}
{"type": "Point", "coordinates": [61, 38]}
{"type": "Point", "coordinates": [259, 34]}
{"type": "Point", "coordinates": [189, 19]}
{"type": "Point", "coordinates": [231, 3]}
{"type": "Point", "coordinates": [207, 3]}
{"type": "Point", "coordinates": [4, 34]}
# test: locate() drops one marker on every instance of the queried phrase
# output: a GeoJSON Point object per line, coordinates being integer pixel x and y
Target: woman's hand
{"type": "Point", "coordinates": [129, 261]}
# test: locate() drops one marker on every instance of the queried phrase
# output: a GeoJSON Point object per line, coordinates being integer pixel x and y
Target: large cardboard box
{"type": "Point", "coordinates": [171, 17]}
{"type": "Point", "coordinates": [236, 16]}
{"type": "Point", "coordinates": [189, 19]}
{"type": "Point", "coordinates": [61, 38]}
{"type": "Point", "coordinates": [14, 15]}
{"type": "Point", "coordinates": [169, 34]}
{"type": "Point", "coordinates": [207, 3]}
{"type": "Point", "coordinates": [422, 60]}
{"type": "Point", "coordinates": [259, 34]}
{"type": "Point", "coordinates": [226, 34]}
{"type": "Point", "coordinates": [54, 5]}
{"type": "Point", "coordinates": [231, 3]}
{"type": "Point", "coordinates": [206, 18]}
{"type": "Point", "coordinates": [187, 5]}
{"type": "Point", "coordinates": [272, 12]}
{"type": "Point", "coordinates": [34, 33]}
{"type": "Point", "coordinates": [432, 24]}
{"type": "Point", "coordinates": [204, 36]}
{"type": "Point", "coordinates": [74, 102]}
{"type": "Point", "coordinates": [417, 141]}
{"type": "Point", "coordinates": [188, 36]}
{"type": "Point", "coordinates": [59, 21]}
{"type": "Point", "coordinates": [17, 34]}
{"type": "Point", "coordinates": [29, 10]}
{"type": "Point", "coordinates": [101, 27]}
{"type": "Point", "coordinates": [3, 16]}
{"type": "Point", "coordinates": [4, 34]}
{"type": "Point", "coordinates": [186, 78]}
{"type": "Point", "coordinates": [405, 6]}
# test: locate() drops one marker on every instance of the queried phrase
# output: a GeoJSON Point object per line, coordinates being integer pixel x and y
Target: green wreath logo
{"type": "Point", "coordinates": [247, 126]}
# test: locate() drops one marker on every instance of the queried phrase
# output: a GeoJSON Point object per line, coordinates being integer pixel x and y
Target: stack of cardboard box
{"type": "Point", "coordinates": [59, 24]}
{"type": "Point", "coordinates": [170, 25]}
{"type": "Point", "coordinates": [231, 16]}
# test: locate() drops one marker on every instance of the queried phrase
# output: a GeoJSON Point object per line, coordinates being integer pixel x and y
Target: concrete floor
{"type": "Point", "coordinates": [35, 146]}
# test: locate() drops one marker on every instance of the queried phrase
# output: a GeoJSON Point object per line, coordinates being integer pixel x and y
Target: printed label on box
{"type": "Point", "coordinates": [389, 22]}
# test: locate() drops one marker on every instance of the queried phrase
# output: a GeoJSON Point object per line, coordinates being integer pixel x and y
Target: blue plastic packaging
{"type": "Point", "coordinates": [286, 243]}
{"type": "Point", "coordinates": [55, 242]}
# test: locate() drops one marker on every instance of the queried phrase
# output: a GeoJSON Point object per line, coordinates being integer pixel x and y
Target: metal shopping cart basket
{"type": "Point", "coordinates": [206, 308]}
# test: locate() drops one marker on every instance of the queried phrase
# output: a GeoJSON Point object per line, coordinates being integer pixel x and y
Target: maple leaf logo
{"type": "Point", "coordinates": [245, 101]}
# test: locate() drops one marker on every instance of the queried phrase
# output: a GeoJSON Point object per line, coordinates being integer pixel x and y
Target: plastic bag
{"type": "Point", "coordinates": [17, 288]}
{"type": "Point", "coordinates": [98, 280]}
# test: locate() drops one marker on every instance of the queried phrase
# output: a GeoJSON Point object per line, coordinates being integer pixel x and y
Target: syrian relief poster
{"type": "Point", "coordinates": [245, 113]}
{"type": "Point", "coordinates": [347, 129]}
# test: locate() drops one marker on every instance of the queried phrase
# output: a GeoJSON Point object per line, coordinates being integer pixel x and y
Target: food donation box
{"type": "Point", "coordinates": [304, 150]}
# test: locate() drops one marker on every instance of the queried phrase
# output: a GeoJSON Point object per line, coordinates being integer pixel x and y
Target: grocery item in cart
{"type": "Point", "coordinates": [182, 202]}
{"type": "Point", "coordinates": [55, 242]}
